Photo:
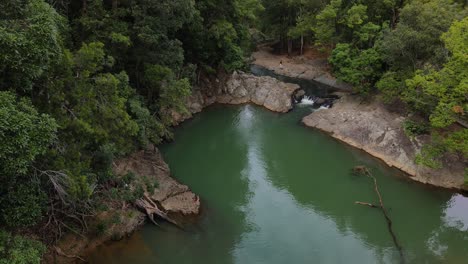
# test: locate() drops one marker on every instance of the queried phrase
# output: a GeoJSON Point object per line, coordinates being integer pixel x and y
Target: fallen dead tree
{"type": "Point", "coordinates": [362, 170]}
{"type": "Point", "coordinates": [63, 254]}
{"type": "Point", "coordinates": [152, 208]}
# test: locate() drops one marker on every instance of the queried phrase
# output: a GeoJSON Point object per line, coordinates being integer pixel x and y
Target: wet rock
{"type": "Point", "coordinates": [377, 131]}
{"type": "Point", "coordinates": [298, 95]}
{"type": "Point", "coordinates": [240, 88]}
{"type": "Point", "coordinates": [265, 91]}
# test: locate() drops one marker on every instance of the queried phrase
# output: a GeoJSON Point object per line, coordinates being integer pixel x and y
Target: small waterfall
{"type": "Point", "coordinates": [307, 100]}
{"type": "Point", "coordinates": [324, 107]}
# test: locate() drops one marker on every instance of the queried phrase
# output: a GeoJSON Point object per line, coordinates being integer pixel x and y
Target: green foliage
{"type": "Point", "coordinates": [101, 228]}
{"type": "Point", "coordinates": [392, 85]}
{"type": "Point", "coordinates": [150, 184]}
{"type": "Point", "coordinates": [413, 128]}
{"type": "Point", "coordinates": [356, 15]}
{"type": "Point", "coordinates": [129, 177]}
{"type": "Point", "coordinates": [19, 250]}
{"type": "Point", "coordinates": [30, 43]}
{"type": "Point", "coordinates": [138, 192]}
{"type": "Point", "coordinates": [24, 134]}
{"type": "Point", "coordinates": [430, 155]}
{"type": "Point", "coordinates": [416, 39]}
{"type": "Point", "coordinates": [325, 29]}
{"type": "Point", "coordinates": [23, 205]}
{"type": "Point", "coordinates": [444, 92]}
{"type": "Point", "coordinates": [362, 68]}
{"type": "Point", "coordinates": [457, 142]}
{"type": "Point", "coordinates": [97, 84]}
{"type": "Point", "coordinates": [413, 52]}
{"type": "Point", "coordinates": [150, 130]}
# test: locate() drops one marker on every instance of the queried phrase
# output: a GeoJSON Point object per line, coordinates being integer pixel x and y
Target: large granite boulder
{"type": "Point", "coordinates": [264, 91]}
{"type": "Point", "coordinates": [372, 128]}
{"type": "Point", "coordinates": [240, 88]}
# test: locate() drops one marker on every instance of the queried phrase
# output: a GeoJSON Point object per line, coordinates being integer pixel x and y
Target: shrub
{"type": "Point", "coordinates": [19, 250]}
{"type": "Point", "coordinates": [23, 205]}
{"type": "Point", "coordinates": [413, 128]}
{"type": "Point", "coordinates": [138, 192]}
{"type": "Point", "coordinates": [101, 228]}
{"type": "Point", "coordinates": [430, 156]}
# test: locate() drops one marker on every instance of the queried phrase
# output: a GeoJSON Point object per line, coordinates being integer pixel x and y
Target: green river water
{"type": "Point", "coordinates": [274, 191]}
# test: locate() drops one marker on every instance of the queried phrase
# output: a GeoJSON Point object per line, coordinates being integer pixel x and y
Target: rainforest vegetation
{"type": "Point", "coordinates": [85, 82]}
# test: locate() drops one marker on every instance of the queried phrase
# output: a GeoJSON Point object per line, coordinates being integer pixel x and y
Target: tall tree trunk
{"type": "Point", "coordinates": [302, 44]}
{"type": "Point", "coordinates": [396, 14]}
{"type": "Point", "coordinates": [289, 46]}
{"type": "Point", "coordinates": [84, 6]}
{"type": "Point", "coordinates": [115, 4]}
{"type": "Point", "coordinates": [281, 45]}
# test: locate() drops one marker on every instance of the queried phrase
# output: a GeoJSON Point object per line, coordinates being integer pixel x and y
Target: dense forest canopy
{"type": "Point", "coordinates": [84, 82]}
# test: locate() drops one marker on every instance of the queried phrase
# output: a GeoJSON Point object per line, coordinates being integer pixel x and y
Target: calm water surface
{"type": "Point", "coordinates": [275, 191]}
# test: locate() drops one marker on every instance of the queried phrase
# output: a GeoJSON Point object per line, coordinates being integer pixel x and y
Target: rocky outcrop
{"type": "Point", "coordinates": [372, 128]}
{"type": "Point", "coordinates": [309, 68]}
{"type": "Point", "coordinates": [240, 88]}
{"type": "Point", "coordinates": [174, 198]}
{"type": "Point", "coordinates": [264, 91]}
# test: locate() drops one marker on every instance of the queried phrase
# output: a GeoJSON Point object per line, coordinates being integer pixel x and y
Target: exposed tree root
{"type": "Point", "coordinates": [63, 254]}
{"type": "Point", "coordinates": [152, 208]}
{"type": "Point", "coordinates": [365, 171]}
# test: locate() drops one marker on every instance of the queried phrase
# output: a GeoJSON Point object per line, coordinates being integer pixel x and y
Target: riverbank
{"type": "Point", "coordinates": [365, 126]}
{"type": "Point", "coordinates": [379, 132]}
{"type": "Point", "coordinates": [239, 88]}
{"type": "Point", "coordinates": [309, 67]}
{"type": "Point", "coordinates": [119, 218]}
{"type": "Point", "coordinates": [176, 199]}
{"type": "Point", "coordinates": [259, 172]}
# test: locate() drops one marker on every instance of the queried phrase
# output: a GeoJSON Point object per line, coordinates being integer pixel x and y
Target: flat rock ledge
{"type": "Point", "coordinates": [299, 67]}
{"type": "Point", "coordinates": [377, 131]}
{"type": "Point", "coordinates": [240, 88]}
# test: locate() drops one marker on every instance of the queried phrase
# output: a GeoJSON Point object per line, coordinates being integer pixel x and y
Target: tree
{"type": "Point", "coordinates": [25, 135]}
{"type": "Point", "coordinates": [442, 94]}
{"type": "Point", "coordinates": [19, 250]}
{"type": "Point", "coordinates": [445, 91]}
{"type": "Point", "coordinates": [362, 68]}
{"type": "Point", "coordinates": [416, 39]}
{"type": "Point", "coordinates": [30, 42]}
{"type": "Point", "coordinates": [325, 29]}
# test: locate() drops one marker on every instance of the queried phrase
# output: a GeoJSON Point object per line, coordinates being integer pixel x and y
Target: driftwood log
{"type": "Point", "coordinates": [368, 204]}
{"type": "Point", "coordinates": [365, 171]}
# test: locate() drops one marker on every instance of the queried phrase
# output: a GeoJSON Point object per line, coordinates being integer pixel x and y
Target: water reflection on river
{"type": "Point", "coordinates": [276, 192]}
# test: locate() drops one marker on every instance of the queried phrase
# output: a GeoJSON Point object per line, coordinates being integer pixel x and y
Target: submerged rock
{"type": "Point", "coordinates": [377, 131]}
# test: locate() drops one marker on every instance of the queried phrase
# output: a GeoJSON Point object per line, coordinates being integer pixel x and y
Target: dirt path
{"type": "Point", "coordinates": [313, 65]}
